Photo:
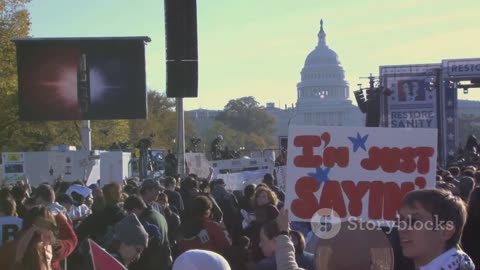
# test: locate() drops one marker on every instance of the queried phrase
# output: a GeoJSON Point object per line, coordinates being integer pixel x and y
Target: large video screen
{"type": "Point", "coordinates": [81, 79]}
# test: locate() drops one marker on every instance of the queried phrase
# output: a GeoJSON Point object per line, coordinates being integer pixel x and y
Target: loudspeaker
{"type": "Point", "coordinates": [182, 78]}
{"type": "Point", "coordinates": [182, 49]}
{"type": "Point", "coordinates": [181, 29]}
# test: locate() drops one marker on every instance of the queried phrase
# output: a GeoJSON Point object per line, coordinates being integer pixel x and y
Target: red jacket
{"type": "Point", "coordinates": [66, 242]}
{"type": "Point", "coordinates": [64, 246]}
{"type": "Point", "coordinates": [212, 237]}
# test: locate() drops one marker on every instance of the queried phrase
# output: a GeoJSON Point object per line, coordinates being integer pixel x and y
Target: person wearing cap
{"type": "Point", "coordinates": [149, 190]}
{"type": "Point", "coordinates": [129, 240]}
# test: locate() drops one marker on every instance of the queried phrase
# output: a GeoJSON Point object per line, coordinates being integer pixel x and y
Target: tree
{"type": "Point", "coordinates": [246, 115]}
{"type": "Point", "coordinates": [236, 140]}
{"type": "Point", "coordinates": [161, 122]}
{"type": "Point", "coordinates": [244, 124]}
{"type": "Point", "coordinates": [107, 132]}
{"type": "Point", "coordinates": [14, 23]}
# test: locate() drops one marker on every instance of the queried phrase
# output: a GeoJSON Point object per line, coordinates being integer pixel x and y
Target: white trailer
{"type": "Point", "coordinates": [114, 166]}
{"type": "Point", "coordinates": [41, 167]}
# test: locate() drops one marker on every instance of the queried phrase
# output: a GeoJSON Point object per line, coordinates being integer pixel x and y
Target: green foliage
{"type": "Point", "coordinates": [236, 140]}
{"type": "Point", "coordinates": [244, 125]}
{"type": "Point", "coordinates": [14, 135]}
{"type": "Point", "coordinates": [107, 132]}
{"type": "Point", "coordinates": [161, 123]}
{"type": "Point", "coordinates": [246, 115]}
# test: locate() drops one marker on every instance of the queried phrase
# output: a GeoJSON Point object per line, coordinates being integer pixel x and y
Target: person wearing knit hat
{"type": "Point", "coordinates": [196, 259]}
{"type": "Point", "coordinates": [129, 239]}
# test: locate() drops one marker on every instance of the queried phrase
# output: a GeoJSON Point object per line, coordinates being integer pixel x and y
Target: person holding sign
{"type": "Point", "coordinates": [9, 223]}
{"type": "Point", "coordinates": [430, 227]}
{"type": "Point", "coordinates": [36, 246]}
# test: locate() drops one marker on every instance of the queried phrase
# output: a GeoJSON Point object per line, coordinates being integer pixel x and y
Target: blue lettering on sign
{"type": "Point", "coordinates": [464, 69]}
{"type": "Point", "coordinates": [9, 231]}
{"type": "Point", "coordinates": [412, 119]}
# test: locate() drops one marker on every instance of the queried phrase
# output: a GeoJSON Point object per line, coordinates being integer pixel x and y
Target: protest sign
{"type": "Point", "coordinates": [197, 163]}
{"type": "Point", "coordinates": [357, 172]}
{"type": "Point", "coordinates": [101, 259]}
{"type": "Point", "coordinates": [9, 227]}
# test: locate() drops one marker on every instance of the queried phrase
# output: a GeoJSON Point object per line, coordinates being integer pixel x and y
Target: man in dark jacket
{"type": "Point", "coordinates": [229, 206]}
{"type": "Point", "coordinates": [174, 198]}
{"type": "Point", "coordinates": [99, 223]}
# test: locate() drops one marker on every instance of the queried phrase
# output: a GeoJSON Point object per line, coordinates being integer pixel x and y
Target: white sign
{"type": "Point", "coordinates": [463, 68]}
{"type": "Point", "coordinates": [357, 172]}
{"type": "Point", "coordinates": [198, 164]}
{"type": "Point", "coordinates": [13, 167]}
{"type": "Point", "coordinates": [412, 96]}
{"type": "Point", "coordinates": [9, 227]}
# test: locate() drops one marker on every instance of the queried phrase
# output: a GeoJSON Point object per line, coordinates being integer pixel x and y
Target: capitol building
{"type": "Point", "coordinates": [322, 96]}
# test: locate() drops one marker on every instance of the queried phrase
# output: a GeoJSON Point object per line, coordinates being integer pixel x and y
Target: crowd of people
{"type": "Point", "coordinates": [194, 223]}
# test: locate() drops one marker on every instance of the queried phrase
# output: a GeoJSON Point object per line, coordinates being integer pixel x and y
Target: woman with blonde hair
{"type": "Point", "coordinates": [36, 247]}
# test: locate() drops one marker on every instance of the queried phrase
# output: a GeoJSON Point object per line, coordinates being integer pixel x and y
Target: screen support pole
{"type": "Point", "coordinates": [86, 135]}
{"type": "Point", "coordinates": [180, 136]}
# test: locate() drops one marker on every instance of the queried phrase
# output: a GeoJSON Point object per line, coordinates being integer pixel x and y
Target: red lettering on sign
{"type": "Point", "coordinates": [384, 198]}
{"type": "Point", "coordinates": [424, 154]}
{"type": "Point", "coordinates": [332, 155]}
{"type": "Point", "coordinates": [332, 197]}
{"type": "Point", "coordinates": [326, 138]}
{"type": "Point", "coordinates": [307, 159]}
{"type": "Point", "coordinates": [375, 205]}
{"type": "Point", "coordinates": [407, 162]}
{"type": "Point", "coordinates": [420, 182]}
{"type": "Point", "coordinates": [393, 197]}
{"type": "Point", "coordinates": [355, 193]}
{"type": "Point", "coordinates": [307, 203]}
{"type": "Point", "coordinates": [394, 159]}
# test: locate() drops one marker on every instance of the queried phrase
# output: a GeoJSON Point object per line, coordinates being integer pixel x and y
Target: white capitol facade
{"type": "Point", "coordinates": [322, 96]}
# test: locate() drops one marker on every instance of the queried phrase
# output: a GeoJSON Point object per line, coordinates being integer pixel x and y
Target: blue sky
{"type": "Point", "coordinates": [258, 47]}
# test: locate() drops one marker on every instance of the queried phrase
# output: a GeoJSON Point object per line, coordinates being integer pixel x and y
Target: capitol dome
{"type": "Point", "coordinates": [322, 54]}
{"type": "Point", "coordinates": [323, 92]}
